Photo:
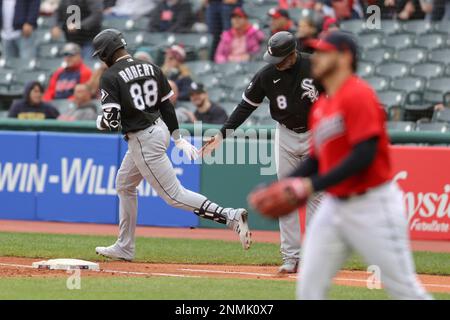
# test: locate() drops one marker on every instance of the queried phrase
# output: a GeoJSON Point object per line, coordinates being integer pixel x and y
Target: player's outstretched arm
{"type": "Point", "coordinates": [237, 117]}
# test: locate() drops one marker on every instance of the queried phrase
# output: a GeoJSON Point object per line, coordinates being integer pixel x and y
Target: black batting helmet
{"type": "Point", "coordinates": [280, 45]}
{"type": "Point", "coordinates": [106, 43]}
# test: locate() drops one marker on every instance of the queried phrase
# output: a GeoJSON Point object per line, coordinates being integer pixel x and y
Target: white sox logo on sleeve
{"type": "Point", "coordinates": [104, 95]}
{"type": "Point", "coordinates": [310, 90]}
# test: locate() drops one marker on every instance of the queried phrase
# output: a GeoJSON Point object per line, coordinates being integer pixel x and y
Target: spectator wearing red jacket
{"type": "Point", "coordinates": [304, 4]}
{"type": "Point", "coordinates": [241, 42]}
{"type": "Point", "coordinates": [64, 79]}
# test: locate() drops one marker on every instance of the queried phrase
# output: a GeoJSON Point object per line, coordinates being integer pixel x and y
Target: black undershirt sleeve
{"type": "Point", "coordinates": [168, 115]}
{"type": "Point", "coordinates": [309, 167]}
{"type": "Point", "coordinates": [360, 158]}
{"type": "Point", "coordinates": [239, 115]}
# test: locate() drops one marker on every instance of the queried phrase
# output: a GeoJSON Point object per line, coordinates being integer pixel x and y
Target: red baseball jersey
{"type": "Point", "coordinates": [353, 114]}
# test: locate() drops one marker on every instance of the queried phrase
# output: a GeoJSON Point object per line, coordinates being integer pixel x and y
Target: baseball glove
{"type": "Point", "coordinates": [280, 198]}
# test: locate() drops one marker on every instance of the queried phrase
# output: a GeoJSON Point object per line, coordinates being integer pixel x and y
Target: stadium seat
{"type": "Point", "coordinates": [411, 55]}
{"type": "Point", "coordinates": [442, 115]}
{"type": "Point", "coordinates": [195, 40]}
{"type": "Point", "coordinates": [392, 69]}
{"type": "Point", "coordinates": [49, 50]}
{"type": "Point", "coordinates": [239, 81]}
{"type": "Point", "coordinates": [257, 10]}
{"type": "Point", "coordinates": [378, 55]}
{"type": "Point", "coordinates": [369, 41]}
{"type": "Point", "coordinates": [439, 84]}
{"type": "Point", "coordinates": [45, 22]}
{"type": "Point", "coordinates": [408, 84]}
{"type": "Point", "coordinates": [217, 94]}
{"type": "Point", "coordinates": [140, 24]}
{"type": "Point", "coordinates": [440, 55]}
{"type": "Point", "coordinates": [432, 96]}
{"type": "Point", "coordinates": [427, 70]}
{"type": "Point", "coordinates": [389, 27]}
{"type": "Point", "coordinates": [23, 77]}
{"type": "Point", "coordinates": [391, 98]}
{"type": "Point", "coordinates": [253, 67]}
{"type": "Point", "coordinates": [6, 77]}
{"type": "Point", "coordinates": [417, 26]}
{"type": "Point", "coordinates": [4, 114]}
{"type": "Point", "coordinates": [355, 26]}
{"type": "Point", "coordinates": [430, 41]}
{"type": "Point", "coordinates": [398, 41]}
{"type": "Point", "coordinates": [42, 36]}
{"type": "Point", "coordinates": [122, 24]}
{"type": "Point", "coordinates": [401, 125]}
{"type": "Point", "coordinates": [139, 38]}
{"type": "Point", "coordinates": [17, 64]}
{"type": "Point", "coordinates": [378, 83]}
{"type": "Point", "coordinates": [229, 69]}
{"type": "Point", "coordinates": [49, 64]}
{"type": "Point", "coordinates": [442, 26]}
{"type": "Point", "coordinates": [201, 67]}
{"type": "Point", "coordinates": [365, 69]}
{"type": "Point", "coordinates": [63, 105]}
{"type": "Point", "coordinates": [209, 80]}
{"type": "Point", "coordinates": [432, 126]}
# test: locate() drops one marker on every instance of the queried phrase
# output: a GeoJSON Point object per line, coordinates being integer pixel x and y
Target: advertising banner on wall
{"type": "Point", "coordinates": [424, 175]}
{"type": "Point", "coordinates": [71, 178]}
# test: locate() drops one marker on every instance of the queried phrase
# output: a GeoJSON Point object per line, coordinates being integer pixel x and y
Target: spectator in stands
{"type": "Point", "coordinates": [85, 108]}
{"type": "Point", "coordinates": [31, 106]}
{"type": "Point", "coordinates": [18, 22]}
{"type": "Point", "coordinates": [175, 69]}
{"type": "Point", "coordinates": [128, 9]}
{"type": "Point", "coordinates": [207, 111]}
{"type": "Point", "coordinates": [49, 7]}
{"type": "Point", "coordinates": [89, 25]}
{"type": "Point", "coordinates": [241, 42]}
{"type": "Point", "coordinates": [218, 18]}
{"type": "Point", "coordinates": [309, 28]}
{"type": "Point", "coordinates": [440, 9]}
{"type": "Point", "coordinates": [143, 55]}
{"type": "Point", "coordinates": [280, 20]}
{"type": "Point", "coordinates": [409, 9]}
{"type": "Point", "coordinates": [183, 114]}
{"type": "Point", "coordinates": [304, 4]}
{"type": "Point", "coordinates": [171, 16]}
{"type": "Point", "coordinates": [64, 79]}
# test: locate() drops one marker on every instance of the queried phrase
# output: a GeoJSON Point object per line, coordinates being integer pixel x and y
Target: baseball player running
{"type": "Point", "coordinates": [135, 100]}
{"type": "Point", "coordinates": [363, 208]}
{"type": "Point", "coordinates": [286, 81]}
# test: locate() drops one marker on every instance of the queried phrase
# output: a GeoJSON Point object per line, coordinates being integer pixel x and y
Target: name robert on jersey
{"type": "Point", "coordinates": [136, 71]}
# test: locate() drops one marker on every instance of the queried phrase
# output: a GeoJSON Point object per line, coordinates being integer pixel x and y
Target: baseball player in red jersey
{"type": "Point", "coordinates": [349, 158]}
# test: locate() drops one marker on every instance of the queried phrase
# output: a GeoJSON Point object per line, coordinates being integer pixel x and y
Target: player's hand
{"type": "Point", "coordinates": [188, 149]}
{"type": "Point", "coordinates": [211, 144]}
{"type": "Point", "coordinates": [281, 197]}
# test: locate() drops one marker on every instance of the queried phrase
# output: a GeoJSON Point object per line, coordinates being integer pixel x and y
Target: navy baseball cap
{"type": "Point", "coordinates": [335, 41]}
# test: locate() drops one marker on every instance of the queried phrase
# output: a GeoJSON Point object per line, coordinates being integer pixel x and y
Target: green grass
{"type": "Point", "coordinates": [170, 289]}
{"type": "Point", "coordinates": [161, 250]}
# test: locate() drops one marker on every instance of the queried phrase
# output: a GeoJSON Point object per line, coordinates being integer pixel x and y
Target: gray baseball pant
{"type": "Point", "coordinates": [290, 149]}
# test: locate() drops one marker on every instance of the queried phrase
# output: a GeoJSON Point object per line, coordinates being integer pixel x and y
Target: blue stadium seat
{"type": "Point", "coordinates": [391, 98]}
{"type": "Point", "coordinates": [389, 26]}
{"type": "Point", "coordinates": [401, 125]}
{"type": "Point", "coordinates": [417, 26]}
{"type": "Point", "coordinates": [392, 69]}
{"type": "Point", "coordinates": [431, 41]}
{"type": "Point", "coordinates": [49, 64]}
{"type": "Point", "coordinates": [378, 83]}
{"type": "Point", "coordinates": [408, 84]}
{"type": "Point", "coordinates": [378, 55]}
{"type": "Point", "coordinates": [440, 55]}
{"type": "Point", "coordinates": [365, 69]}
{"type": "Point", "coordinates": [369, 41]}
{"type": "Point", "coordinates": [427, 70]}
{"type": "Point", "coordinates": [228, 69]}
{"type": "Point", "coordinates": [201, 67]}
{"type": "Point", "coordinates": [411, 55]}
{"type": "Point", "coordinates": [23, 77]}
{"type": "Point", "coordinates": [439, 84]}
{"type": "Point", "coordinates": [355, 26]}
{"type": "Point", "coordinates": [6, 76]}
{"type": "Point", "coordinates": [49, 50]}
{"type": "Point", "coordinates": [238, 81]}
{"type": "Point", "coordinates": [442, 115]}
{"type": "Point", "coordinates": [399, 41]}
{"type": "Point", "coordinates": [432, 126]}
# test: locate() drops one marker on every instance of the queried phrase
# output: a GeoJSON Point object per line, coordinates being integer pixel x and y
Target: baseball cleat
{"type": "Point", "coordinates": [289, 266]}
{"type": "Point", "coordinates": [240, 225]}
{"type": "Point", "coordinates": [113, 252]}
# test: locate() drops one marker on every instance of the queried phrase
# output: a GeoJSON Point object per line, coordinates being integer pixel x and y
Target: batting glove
{"type": "Point", "coordinates": [188, 149]}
